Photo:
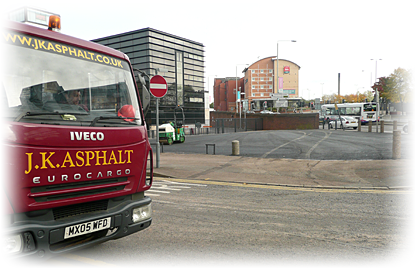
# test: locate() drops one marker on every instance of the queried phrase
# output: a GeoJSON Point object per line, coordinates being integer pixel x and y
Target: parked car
{"type": "Point", "coordinates": [406, 127]}
{"type": "Point", "coordinates": [347, 122]}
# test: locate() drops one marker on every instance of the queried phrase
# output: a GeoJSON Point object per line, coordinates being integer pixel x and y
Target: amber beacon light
{"type": "Point", "coordinates": [54, 23]}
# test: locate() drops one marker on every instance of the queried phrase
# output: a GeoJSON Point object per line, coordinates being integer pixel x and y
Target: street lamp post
{"type": "Point", "coordinates": [377, 97]}
{"type": "Point", "coordinates": [277, 63]}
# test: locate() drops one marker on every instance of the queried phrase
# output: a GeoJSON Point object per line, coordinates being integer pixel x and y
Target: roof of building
{"type": "Point", "coordinates": [272, 58]}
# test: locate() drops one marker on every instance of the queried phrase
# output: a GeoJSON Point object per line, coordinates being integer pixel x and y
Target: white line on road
{"type": "Point", "coordinates": [308, 154]}
{"type": "Point", "coordinates": [156, 191]}
{"type": "Point", "coordinates": [267, 153]}
{"type": "Point", "coordinates": [172, 182]}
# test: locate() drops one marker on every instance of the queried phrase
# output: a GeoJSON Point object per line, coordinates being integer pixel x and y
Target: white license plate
{"type": "Point", "coordinates": [88, 227]}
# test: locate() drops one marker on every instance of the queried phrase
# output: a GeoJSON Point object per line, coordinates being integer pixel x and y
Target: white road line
{"type": "Point", "coordinates": [308, 154]}
{"type": "Point", "coordinates": [171, 186]}
{"type": "Point", "coordinates": [152, 195]}
{"type": "Point", "coordinates": [172, 182]}
{"type": "Point", "coordinates": [267, 153]}
{"type": "Point", "coordinates": [156, 191]}
{"type": "Point", "coordinates": [167, 188]}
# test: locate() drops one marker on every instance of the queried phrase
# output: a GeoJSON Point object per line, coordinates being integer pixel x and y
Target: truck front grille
{"type": "Point", "coordinates": [79, 189]}
{"type": "Point", "coordinates": [80, 209]}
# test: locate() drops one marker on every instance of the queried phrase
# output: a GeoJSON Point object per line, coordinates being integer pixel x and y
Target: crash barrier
{"type": "Point", "coordinates": [207, 145]}
{"type": "Point", "coordinates": [235, 147]}
{"type": "Point", "coordinates": [396, 144]}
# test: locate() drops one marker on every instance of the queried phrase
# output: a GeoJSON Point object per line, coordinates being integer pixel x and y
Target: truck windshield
{"type": "Point", "coordinates": [47, 82]}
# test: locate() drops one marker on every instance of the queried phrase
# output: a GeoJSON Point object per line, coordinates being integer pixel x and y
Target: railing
{"type": "Point", "coordinates": [221, 126]}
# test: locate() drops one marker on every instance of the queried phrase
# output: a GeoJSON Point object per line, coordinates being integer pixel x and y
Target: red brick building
{"type": "Point", "coordinates": [258, 85]}
{"type": "Point", "coordinates": [225, 95]}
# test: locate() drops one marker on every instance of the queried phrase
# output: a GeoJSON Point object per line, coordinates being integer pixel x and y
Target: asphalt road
{"type": "Point", "coordinates": [204, 223]}
{"type": "Point", "coordinates": [317, 144]}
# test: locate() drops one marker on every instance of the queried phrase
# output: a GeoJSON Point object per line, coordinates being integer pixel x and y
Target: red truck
{"type": "Point", "coordinates": [78, 158]}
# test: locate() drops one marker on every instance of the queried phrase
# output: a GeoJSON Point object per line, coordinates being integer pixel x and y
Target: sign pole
{"type": "Point", "coordinates": [157, 135]}
{"type": "Point", "coordinates": [158, 88]}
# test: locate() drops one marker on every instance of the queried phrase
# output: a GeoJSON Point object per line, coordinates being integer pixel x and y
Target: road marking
{"type": "Point", "coordinates": [86, 260]}
{"type": "Point", "coordinates": [308, 154]}
{"type": "Point", "coordinates": [269, 152]}
{"type": "Point", "coordinates": [154, 190]}
{"type": "Point", "coordinates": [295, 188]}
{"type": "Point", "coordinates": [172, 182]}
{"type": "Point", "coordinates": [163, 186]}
{"type": "Point", "coordinates": [152, 195]}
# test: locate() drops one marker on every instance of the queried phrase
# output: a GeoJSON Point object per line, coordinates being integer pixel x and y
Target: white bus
{"type": "Point", "coordinates": [365, 112]}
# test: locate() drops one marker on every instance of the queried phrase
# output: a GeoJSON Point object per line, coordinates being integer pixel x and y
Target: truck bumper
{"type": "Point", "coordinates": [44, 237]}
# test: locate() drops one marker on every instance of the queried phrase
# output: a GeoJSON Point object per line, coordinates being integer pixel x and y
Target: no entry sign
{"type": "Point", "coordinates": [158, 86]}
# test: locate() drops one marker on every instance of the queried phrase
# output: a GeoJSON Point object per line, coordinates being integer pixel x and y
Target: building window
{"type": "Point", "coordinates": [261, 71]}
{"type": "Point", "coordinates": [270, 71]}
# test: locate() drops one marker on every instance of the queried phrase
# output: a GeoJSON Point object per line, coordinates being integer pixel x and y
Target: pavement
{"type": "Point", "coordinates": [339, 174]}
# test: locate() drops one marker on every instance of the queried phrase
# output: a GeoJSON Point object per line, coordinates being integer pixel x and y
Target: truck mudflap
{"type": "Point", "coordinates": [44, 239]}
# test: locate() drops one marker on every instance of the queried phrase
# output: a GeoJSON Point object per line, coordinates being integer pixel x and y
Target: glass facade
{"type": "Point", "coordinates": [150, 50]}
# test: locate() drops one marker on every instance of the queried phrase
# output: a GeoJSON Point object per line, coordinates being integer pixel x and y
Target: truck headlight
{"type": "Point", "coordinates": [142, 213]}
{"type": "Point", "coordinates": [13, 243]}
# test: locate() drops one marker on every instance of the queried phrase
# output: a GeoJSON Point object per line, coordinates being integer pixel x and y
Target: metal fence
{"type": "Point", "coordinates": [233, 125]}
{"type": "Point", "coordinates": [221, 126]}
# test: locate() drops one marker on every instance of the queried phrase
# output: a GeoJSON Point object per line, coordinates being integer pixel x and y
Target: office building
{"type": "Point", "coordinates": [180, 61]}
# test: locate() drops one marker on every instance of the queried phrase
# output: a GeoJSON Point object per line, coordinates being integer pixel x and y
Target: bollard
{"type": "Point", "coordinates": [381, 126]}
{"type": "Point", "coordinates": [235, 147]}
{"type": "Point", "coordinates": [394, 125]}
{"type": "Point", "coordinates": [359, 126]}
{"type": "Point", "coordinates": [370, 126]}
{"type": "Point", "coordinates": [396, 144]}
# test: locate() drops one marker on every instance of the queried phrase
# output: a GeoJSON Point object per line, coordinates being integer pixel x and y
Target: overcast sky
{"type": "Point", "coordinates": [332, 36]}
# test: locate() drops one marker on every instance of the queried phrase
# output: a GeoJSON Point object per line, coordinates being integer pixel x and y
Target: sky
{"type": "Point", "coordinates": [331, 36]}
